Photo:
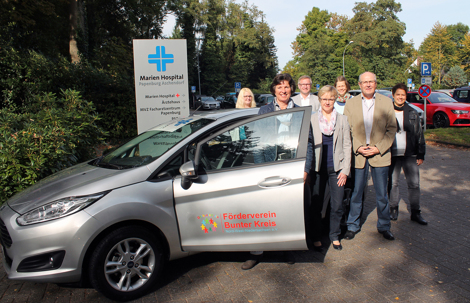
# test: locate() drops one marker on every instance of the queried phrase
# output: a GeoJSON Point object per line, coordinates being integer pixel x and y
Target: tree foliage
{"type": "Point", "coordinates": [378, 45]}
{"type": "Point", "coordinates": [54, 133]}
{"type": "Point", "coordinates": [439, 49]}
{"type": "Point", "coordinates": [455, 77]}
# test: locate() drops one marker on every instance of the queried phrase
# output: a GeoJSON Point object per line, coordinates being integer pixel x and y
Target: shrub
{"type": "Point", "coordinates": [47, 136]}
{"type": "Point", "coordinates": [24, 75]}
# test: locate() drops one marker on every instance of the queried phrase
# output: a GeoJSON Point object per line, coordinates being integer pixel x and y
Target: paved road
{"type": "Point", "coordinates": [425, 264]}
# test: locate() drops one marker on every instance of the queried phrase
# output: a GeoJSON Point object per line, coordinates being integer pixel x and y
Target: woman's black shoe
{"type": "Point", "coordinates": [338, 247]}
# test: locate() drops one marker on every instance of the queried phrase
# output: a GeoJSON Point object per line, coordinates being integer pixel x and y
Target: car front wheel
{"type": "Point", "coordinates": [440, 120]}
{"type": "Point", "coordinates": [126, 263]}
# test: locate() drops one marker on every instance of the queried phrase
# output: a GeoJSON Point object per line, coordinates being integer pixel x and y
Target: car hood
{"type": "Point", "coordinates": [210, 102]}
{"type": "Point", "coordinates": [78, 180]}
{"type": "Point", "coordinates": [454, 105]}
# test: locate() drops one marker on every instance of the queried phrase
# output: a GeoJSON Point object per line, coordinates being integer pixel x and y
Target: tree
{"type": "Point", "coordinates": [378, 38]}
{"type": "Point", "coordinates": [464, 54]}
{"type": "Point", "coordinates": [455, 77]}
{"type": "Point", "coordinates": [457, 33]}
{"type": "Point", "coordinates": [439, 49]}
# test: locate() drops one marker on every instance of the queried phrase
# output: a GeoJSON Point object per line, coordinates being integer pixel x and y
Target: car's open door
{"type": "Point", "coordinates": [249, 192]}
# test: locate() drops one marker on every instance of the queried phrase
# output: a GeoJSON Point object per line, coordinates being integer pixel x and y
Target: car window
{"type": "Point", "coordinates": [462, 94]}
{"type": "Point", "coordinates": [441, 98]}
{"type": "Point", "coordinates": [274, 138]}
{"type": "Point", "coordinates": [415, 98]}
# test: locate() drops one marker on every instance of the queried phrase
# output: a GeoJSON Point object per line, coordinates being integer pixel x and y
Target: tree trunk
{"type": "Point", "coordinates": [73, 17]}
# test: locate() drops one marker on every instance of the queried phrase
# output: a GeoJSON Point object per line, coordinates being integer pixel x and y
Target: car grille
{"type": "Point", "coordinates": [462, 121]}
{"type": "Point", "coordinates": [4, 235]}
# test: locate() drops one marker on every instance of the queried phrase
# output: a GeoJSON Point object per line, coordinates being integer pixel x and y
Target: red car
{"type": "Point", "coordinates": [441, 109]}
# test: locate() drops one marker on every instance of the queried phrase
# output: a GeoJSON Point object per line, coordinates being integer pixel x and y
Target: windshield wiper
{"type": "Point", "coordinates": [98, 160]}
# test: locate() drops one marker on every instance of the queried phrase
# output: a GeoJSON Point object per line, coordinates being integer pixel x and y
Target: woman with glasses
{"type": "Point", "coordinates": [343, 88]}
{"type": "Point", "coordinates": [246, 99]}
{"type": "Point", "coordinates": [332, 163]}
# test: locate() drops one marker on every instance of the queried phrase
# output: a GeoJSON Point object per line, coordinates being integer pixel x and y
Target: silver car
{"type": "Point", "coordinates": [209, 103]}
{"type": "Point", "coordinates": [189, 185]}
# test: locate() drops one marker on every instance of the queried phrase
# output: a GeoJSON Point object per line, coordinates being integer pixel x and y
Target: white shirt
{"type": "Point", "coordinates": [304, 101]}
{"type": "Point", "coordinates": [399, 145]}
{"type": "Point", "coordinates": [368, 106]}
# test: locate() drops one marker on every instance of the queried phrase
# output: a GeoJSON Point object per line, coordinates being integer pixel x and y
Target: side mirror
{"type": "Point", "coordinates": [188, 173]}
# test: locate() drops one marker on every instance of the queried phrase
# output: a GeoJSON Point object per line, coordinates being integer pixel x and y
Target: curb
{"type": "Point", "coordinates": [448, 143]}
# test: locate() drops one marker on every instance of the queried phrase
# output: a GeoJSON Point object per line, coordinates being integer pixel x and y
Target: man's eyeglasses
{"type": "Point", "coordinates": [305, 84]}
{"type": "Point", "coordinates": [368, 82]}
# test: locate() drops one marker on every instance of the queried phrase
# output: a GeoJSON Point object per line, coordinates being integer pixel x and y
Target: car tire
{"type": "Point", "coordinates": [126, 263]}
{"type": "Point", "coordinates": [440, 120]}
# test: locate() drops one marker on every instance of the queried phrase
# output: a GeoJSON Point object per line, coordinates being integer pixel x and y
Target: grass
{"type": "Point", "coordinates": [452, 135]}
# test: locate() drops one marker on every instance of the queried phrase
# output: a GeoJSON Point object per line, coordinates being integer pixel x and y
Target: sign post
{"type": "Point", "coordinates": [424, 92]}
{"type": "Point", "coordinates": [238, 87]}
{"type": "Point", "coordinates": [161, 88]}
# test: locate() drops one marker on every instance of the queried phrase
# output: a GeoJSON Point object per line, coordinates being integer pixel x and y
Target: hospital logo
{"type": "Point", "coordinates": [208, 223]}
{"type": "Point", "coordinates": [160, 58]}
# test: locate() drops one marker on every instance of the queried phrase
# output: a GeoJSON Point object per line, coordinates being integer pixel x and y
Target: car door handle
{"type": "Point", "coordinates": [274, 182]}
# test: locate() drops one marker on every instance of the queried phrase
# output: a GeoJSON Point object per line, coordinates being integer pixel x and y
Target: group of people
{"type": "Point", "coordinates": [351, 136]}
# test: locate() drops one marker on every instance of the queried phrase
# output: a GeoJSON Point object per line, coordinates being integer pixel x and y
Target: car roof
{"type": "Point", "coordinates": [239, 112]}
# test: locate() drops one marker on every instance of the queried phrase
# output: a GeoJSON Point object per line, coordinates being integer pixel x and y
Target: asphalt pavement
{"type": "Point", "coordinates": [424, 264]}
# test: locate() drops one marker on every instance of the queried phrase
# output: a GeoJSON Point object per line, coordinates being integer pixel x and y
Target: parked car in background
{"type": "Point", "coordinates": [230, 101]}
{"type": "Point", "coordinates": [388, 93]}
{"type": "Point", "coordinates": [185, 186]}
{"type": "Point", "coordinates": [264, 99]}
{"type": "Point", "coordinates": [446, 91]}
{"type": "Point", "coordinates": [208, 102]}
{"type": "Point", "coordinates": [441, 110]}
{"type": "Point", "coordinates": [219, 98]}
{"type": "Point", "coordinates": [461, 94]}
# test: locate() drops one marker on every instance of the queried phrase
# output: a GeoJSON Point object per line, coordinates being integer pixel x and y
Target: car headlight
{"type": "Point", "coordinates": [458, 111]}
{"type": "Point", "coordinates": [58, 209]}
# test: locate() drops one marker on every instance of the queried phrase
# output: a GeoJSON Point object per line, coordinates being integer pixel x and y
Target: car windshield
{"type": "Point", "coordinates": [150, 145]}
{"type": "Point", "coordinates": [440, 98]}
{"type": "Point", "coordinates": [207, 99]}
{"type": "Point", "coordinates": [386, 93]}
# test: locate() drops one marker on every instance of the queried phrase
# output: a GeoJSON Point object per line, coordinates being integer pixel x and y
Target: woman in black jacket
{"type": "Point", "coordinates": [408, 151]}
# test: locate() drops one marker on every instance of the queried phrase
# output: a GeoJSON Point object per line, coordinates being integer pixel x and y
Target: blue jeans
{"type": "Point", "coordinates": [410, 168]}
{"type": "Point", "coordinates": [379, 176]}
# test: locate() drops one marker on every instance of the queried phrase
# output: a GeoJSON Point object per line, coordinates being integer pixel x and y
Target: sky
{"type": "Point", "coordinates": [418, 15]}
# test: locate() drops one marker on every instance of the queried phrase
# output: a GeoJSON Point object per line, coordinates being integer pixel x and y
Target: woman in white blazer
{"type": "Point", "coordinates": [331, 162]}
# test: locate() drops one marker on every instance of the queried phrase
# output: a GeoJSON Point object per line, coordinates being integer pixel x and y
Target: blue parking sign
{"type": "Point", "coordinates": [425, 69]}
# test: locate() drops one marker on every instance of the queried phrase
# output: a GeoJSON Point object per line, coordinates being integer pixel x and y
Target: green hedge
{"type": "Point", "coordinates": [24, 75]}
{"type": "Point", "coordinates": [48, 135]}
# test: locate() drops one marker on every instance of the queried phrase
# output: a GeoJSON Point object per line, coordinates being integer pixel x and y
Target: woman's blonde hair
{"type": "Point", "coordinates": [328, 89]}
{"type": "Point", "coordinates": [240, 103]}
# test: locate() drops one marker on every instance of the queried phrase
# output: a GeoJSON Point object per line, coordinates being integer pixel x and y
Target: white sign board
{"type": "Point", "coordinates": [426, 80]}
{"type": "Point", "coordinates": [161, 81]}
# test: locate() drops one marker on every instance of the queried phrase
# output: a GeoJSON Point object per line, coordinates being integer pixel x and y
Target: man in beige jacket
{"type": "Point", "coordinates": [373, 127]}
